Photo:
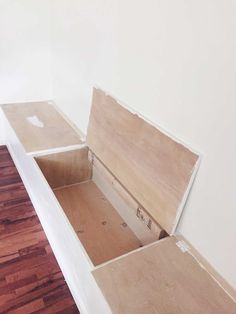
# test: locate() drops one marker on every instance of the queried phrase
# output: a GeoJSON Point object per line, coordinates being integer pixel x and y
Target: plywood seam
{"type": "Point", "coordinates": [65, 168]}
{"type": "Point", "coordinates": [70, 185]}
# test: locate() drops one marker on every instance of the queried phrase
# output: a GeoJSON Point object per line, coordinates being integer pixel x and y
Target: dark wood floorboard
{"type": "Point", "coordinates": [30, 278]}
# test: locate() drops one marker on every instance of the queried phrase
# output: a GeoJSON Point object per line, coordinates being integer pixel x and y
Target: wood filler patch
{"type": "Point", "coordinates": [34, 120]}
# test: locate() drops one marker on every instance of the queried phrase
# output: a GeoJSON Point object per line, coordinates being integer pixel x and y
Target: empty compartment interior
{"type": "Point", "coordinates": [102, 215]}
{"type": "Point", "coordinates": [116, 194]}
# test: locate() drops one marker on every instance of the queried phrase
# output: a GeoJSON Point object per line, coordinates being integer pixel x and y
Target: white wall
{"type": "Point", "coordinates": [25, 56]}
{"type": "Point", "coordinates": [174, 62]}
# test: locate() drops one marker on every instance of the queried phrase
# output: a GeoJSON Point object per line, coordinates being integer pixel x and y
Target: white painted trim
{"type": "Point", "coordinates": [2, 128]}
{"type": "Point", "coordinates": [69, 252]}
{"type": "Point", "coordinates": [56, 150]}
{"type": "Point", "coordinates": [185, 197]}
{"type": "Point", "coordinates": [25, 102]}
{"type": "Point", "coordinates": [67, 222]}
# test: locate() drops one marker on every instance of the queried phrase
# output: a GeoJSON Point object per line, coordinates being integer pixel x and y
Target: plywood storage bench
{"type": "Point", "coordinates": [110, 207]}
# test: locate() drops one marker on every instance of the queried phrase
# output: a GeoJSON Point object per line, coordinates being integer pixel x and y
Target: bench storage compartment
{"type": "Point", "coordinates": [110, 206]}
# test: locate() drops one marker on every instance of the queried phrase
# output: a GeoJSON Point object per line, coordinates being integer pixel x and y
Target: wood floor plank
{"type": "Point", "coordinates": [30, 278]}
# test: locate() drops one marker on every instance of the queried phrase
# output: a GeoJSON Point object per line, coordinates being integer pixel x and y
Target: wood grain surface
{"type": "Point", "coordinates": [154, 168]}
{"type": "Point", "coordinates": [30, 278]}
{"type": "Point", "coordinates": [100, 228]}
{"type": "Point", "coordinates": [128, 199]}
{"type": "Point", "coordinates": [66, 168]}
{"type": "Point", "coordinates": [161, 279]}
{"type": "Point", "coordinates": [55, 131]}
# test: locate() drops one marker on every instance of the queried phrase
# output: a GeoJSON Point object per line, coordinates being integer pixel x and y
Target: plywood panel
{"type": "Point", "coordinates": [99, 227]}
{"type": "Point", "coordinates": [154, 168]}
{"type": "Point", "coordinates": [65, 168]}
{"type": "Point", "coordinates": [109, 183]}
{"type": "Point", "coordinates": [210, 269]}
{"type": "Point", "coordinates": [161, 279]}
{"type": "Point", "coordinates": [39, 126]}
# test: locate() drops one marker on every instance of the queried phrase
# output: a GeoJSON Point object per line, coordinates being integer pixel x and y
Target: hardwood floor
{"type": "Point", "coordinates": [30, 278]}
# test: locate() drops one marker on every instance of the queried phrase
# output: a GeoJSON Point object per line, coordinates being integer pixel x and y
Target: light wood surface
{"type": "Point", "coordinates": [137, 210]}
{"type": "Point", "coordinates": [209, 268]}
{"type": "Point", "coordinates": [155, 169]}
{"type": "Point", "coordinates": [66, 168]}
{"type": "Point", "coordinates": [141, 231]}
{"type": "Point", "coordinates": [99, 227]}
{"type": "Point", "coordinates": [56, 132]}
{"type": "Point", "coordinates": [68, 251]}
{"type": "Point", "coordinates": [161, 279]}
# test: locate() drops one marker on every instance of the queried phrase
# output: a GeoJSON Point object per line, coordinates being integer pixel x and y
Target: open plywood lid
{"type": "Point", "coordinates": [153, 167]}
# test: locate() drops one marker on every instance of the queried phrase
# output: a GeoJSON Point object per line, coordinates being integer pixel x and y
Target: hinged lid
{"type": "Point", "coordinates": [40, 126]}
{"type": "Point", "coordinates": [161, 278]}
{"type": "Point", "coordinates": [154, 168]}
